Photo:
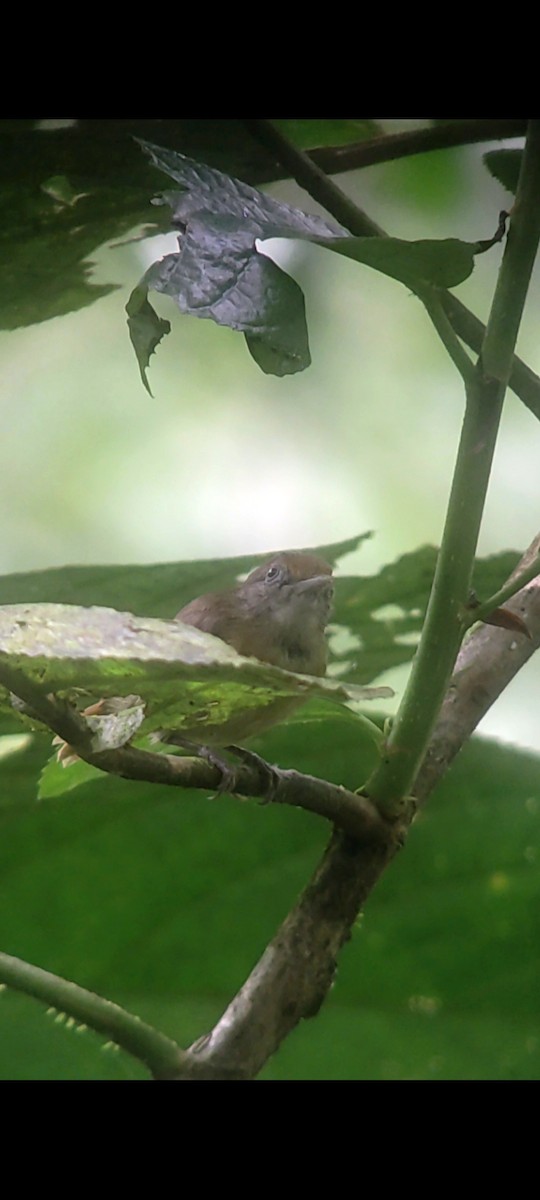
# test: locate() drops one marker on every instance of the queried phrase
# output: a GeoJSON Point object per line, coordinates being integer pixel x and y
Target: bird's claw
{"type": "Point", "coordinates": [270, 775]}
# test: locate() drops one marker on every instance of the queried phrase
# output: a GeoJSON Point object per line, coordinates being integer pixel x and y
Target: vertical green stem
{"type": "Point", "coordinates": [444, 624]}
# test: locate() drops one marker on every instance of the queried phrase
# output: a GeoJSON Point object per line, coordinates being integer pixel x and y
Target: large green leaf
{"type": "Point", "coordinates": [158, 590]}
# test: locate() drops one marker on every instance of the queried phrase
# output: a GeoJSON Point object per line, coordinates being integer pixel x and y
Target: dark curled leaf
{"type": "Point", "coordinates": [146, 329]}
{"type": "Point", "coordinates": [205, 190]}
{"type": "Point", "coordinates": [219, 272]}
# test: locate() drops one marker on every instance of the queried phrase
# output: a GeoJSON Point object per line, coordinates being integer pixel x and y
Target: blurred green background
{"type": "Point", "coordinates": [164, 902]}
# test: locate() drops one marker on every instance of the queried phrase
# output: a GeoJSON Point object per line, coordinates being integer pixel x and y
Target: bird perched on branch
{"type": "Point", "coordinates": [278, 615]}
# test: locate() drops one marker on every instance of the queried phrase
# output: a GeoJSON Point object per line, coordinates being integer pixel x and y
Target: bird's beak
{"type": "Point", "coordinates": [317, 582]}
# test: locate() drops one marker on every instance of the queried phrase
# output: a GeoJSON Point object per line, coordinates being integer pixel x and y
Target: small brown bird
{"type": "Point", "coordinates": [278, 615]}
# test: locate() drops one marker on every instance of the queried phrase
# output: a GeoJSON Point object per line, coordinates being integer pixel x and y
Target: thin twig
{"type": "Point", "coordinates": [487, 662]}
{"type": "Point", "coordinates": [313, 180]}
{"type": "Point", "coordinates": [391, 146]}
{"type": "Point", "coordinates": [525, 383]}
{"type": "Point", "coordinates": [160, 1054]}
{"type": "Point", "coordinates": [435, 310]}
{"type": "Point", "coordinates": [515, 584]}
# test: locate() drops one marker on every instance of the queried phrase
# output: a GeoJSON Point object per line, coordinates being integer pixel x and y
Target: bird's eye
{"type": "Point", "coordinates": [272, 573]}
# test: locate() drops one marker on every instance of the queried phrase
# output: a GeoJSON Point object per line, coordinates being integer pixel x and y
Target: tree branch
{"type": "Point", "coordinates": [524, 382]}
{"type": "Point", "coordinates": [314, 181]}
{"type": "Point", "coordinates": [439, 317]}
{"type": "Point", "coordinates": [516, 582]}
{"type": "Point", "coordinates": [487, 662]}
{"type": "Point", "coordinates": [390, 146]}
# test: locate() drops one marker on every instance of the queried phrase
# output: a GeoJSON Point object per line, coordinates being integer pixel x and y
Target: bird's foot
{"type": "Point", "coordinates": [229, 773]}
{"type": "Point", "coordinates": [270, 775]}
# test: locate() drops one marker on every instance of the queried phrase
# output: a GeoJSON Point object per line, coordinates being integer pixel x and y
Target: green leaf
{"type": "Point", "coordinates": [505, 166]}
{"type": "Point", "coordinates": [55, 779]}
{"type": "Point", "coordinates": [219, 272]}
{"type": "Point", "coordinates": [443, 263]}
{"type": "Point", "coordinates": [158, 590]}
{"type": "Point", "coordinates": [47, 243]}
{"type": "Point", "coordinates": [240, 288]}
{"type": "Point", "coordinates": [146, 329]}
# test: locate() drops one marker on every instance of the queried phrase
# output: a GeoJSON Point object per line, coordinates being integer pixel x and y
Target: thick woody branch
{"type": "Point", "coordinates": [348, 811]}
{"type": "Point", "coordinates": [487, 663]}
